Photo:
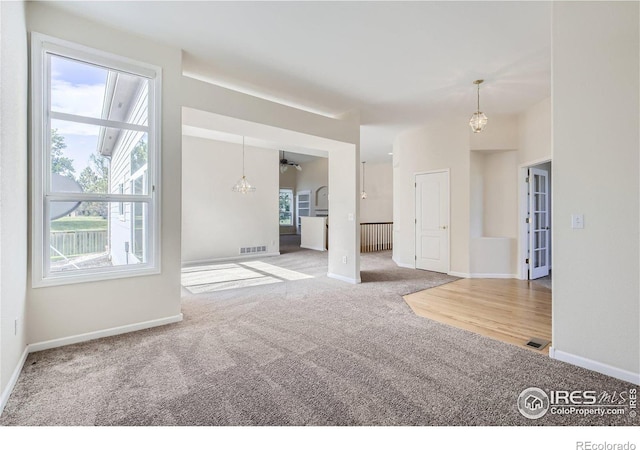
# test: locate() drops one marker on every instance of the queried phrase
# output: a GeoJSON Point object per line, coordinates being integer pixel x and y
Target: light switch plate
{"type": "Point", "coordinates": [577, 221]}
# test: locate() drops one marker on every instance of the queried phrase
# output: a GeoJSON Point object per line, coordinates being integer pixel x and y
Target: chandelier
{"type": "Point", "coordinates": [243, 185]}
{"type": "Point", "coordinates": [478, 121]}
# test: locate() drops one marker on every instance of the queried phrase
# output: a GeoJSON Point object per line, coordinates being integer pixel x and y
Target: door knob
{"type": "Point", "coordinates": [444, 227]}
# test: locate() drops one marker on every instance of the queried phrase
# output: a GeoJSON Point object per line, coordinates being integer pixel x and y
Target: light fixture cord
{"type": "Point", "coordinates": [363, 175]}
{"type": "Point", "coordinates": [242, 156]}
{"type": "Point", "coordinates": [478, 97]}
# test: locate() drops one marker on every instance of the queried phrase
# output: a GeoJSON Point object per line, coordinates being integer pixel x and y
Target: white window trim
{"type": "Point", "coordinates": [121, 208]}
{"type": "Point", "coordinates": [40, 46]}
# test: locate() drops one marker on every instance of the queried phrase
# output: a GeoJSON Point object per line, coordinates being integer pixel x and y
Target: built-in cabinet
{"type": "Point", "coordinates": [303, 207]}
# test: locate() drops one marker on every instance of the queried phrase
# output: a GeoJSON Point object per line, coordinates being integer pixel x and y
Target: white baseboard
{"type": "Point", "coordinates": [45, 345]}
{"type": "Point", "coordinates": [459, 274]}
{"type": "Point", "coordinates": [596, 366]}
{"type": "Point", "coordinates": [320, 249]}
{"type": "Point", "coordinates": [198, 262]}
{"type": "Point", "coordinates": [483, 275]}
{"type": "Point", "coordinates": [406, 266]}
{"type": "Point", "coordinates": [343, 278]}
{"type": "Point", "coordinates": [6, 393]}
{"type": "Point", "coordinates": [493, 275]}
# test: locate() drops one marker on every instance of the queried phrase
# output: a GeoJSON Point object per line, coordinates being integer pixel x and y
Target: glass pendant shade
{"type": "Point", "coordinates": [478, 121]}
{"type": "Point", "coordinates": [243, 186]}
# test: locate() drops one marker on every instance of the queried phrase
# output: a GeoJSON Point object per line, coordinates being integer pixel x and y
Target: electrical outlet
{"type": "Point", "coordinates": [344, 260]}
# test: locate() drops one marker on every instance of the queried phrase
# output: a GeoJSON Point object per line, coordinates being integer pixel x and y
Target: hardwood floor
{"type": "Point", "coordinates": [511, 311]}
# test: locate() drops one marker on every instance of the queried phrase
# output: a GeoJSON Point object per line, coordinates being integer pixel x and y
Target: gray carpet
{"type": "Point", "coordinates": [313, 351]}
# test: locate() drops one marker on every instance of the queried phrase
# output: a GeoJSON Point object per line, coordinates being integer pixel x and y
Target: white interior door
{"type": "Point", "coordinates": [432, 221]}
{"type": "Point", "coordinates": [538, 223]}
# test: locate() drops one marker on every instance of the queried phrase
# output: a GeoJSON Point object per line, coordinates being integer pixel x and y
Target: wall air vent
{"type": "Point", "coordinates": [252, 250]}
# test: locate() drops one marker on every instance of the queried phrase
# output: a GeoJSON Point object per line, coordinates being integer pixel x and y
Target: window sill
{"type": "Point", "coordinates": [62, 279]}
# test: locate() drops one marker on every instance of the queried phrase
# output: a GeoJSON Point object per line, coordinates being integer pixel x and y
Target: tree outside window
{"type": "Point", "coordinates": [286, 207]}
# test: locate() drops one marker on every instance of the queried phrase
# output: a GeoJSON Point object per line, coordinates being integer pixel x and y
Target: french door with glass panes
{"type": "Point", "coordinates": [539, 234]}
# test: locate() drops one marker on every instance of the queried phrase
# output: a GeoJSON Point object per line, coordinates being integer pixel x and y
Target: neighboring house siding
{"type": "Point", "coordinates": [121, 225]}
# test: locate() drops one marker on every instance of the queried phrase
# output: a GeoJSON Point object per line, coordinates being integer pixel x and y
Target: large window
{"type": "Point", "coordinates": [286, 207]}
{"type": "Point", "coordinates": [95, 122]}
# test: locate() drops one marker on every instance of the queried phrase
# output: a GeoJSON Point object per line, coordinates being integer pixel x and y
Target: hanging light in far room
{"type": "Point", "coordinates": [478, 121]}
{"type": "Point", "coordinates": [284, 164]}
{"type": "Point", "coordinates": [243, 185]}
{"type": "Point", "coordinates": [363, 195]}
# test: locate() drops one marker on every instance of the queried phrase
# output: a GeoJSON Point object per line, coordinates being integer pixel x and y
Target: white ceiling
{"type": "Point", "coordinates": [398, 63]}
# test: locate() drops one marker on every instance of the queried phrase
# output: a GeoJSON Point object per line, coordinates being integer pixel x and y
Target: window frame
{"type": "Point", "coordinates": [41, 116]}
{"type": "Point", "coordinates": [121, 213]}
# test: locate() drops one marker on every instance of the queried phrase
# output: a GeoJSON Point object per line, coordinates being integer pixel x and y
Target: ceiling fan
{"type": "Point", "coordinates": [284, 164]}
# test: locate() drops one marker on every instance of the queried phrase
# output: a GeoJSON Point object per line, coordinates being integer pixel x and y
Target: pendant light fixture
{"type": "Point", "coordinates": [478, 121]}
{"type": "Point", "coordinates": [243, 185]}
{"type": "Point", "coordinates": [363, 195]}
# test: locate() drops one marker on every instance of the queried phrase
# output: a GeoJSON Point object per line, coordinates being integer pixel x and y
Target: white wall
{"type": "Point", "coordinates": [486, 165]}
{"type": "Point", "coordinates": [378, 206]}
{"type": "Point", "coordinates": [13, 190]}
{"type": "Point", "coordinates": [494, 194]}
{"type": "Point", "coordinates": [476, 195]}
{"type": "Point", "coordinates": [492, 257]}
{"type": "Point", "coordinates": [288, 179]}
{"type": "Point", "coordinates": [501, 133]}
{"type": "Point", "coordinates": [216, 221]}
{"type": "Point", "coordinates": [596, 134]}
{"type": "Point", "coordinates": [534, 133]}
{"type": "Point", "coordinates": [483, 188]}
{"type": "Point", "coordinates": [64, 311]}
{"type": "Point", "coordinates": [279, 123]}
{"type": "Point", "coordinates": [494, 213]}
{"type": "Point", "coordinates": [344, 216]}
{"type": "Point", "coordinates": [436, 146]}
{"type": "Point", "coordinates": [500, 195]}
{"type": "Point", "coordinates": [313, 176]}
